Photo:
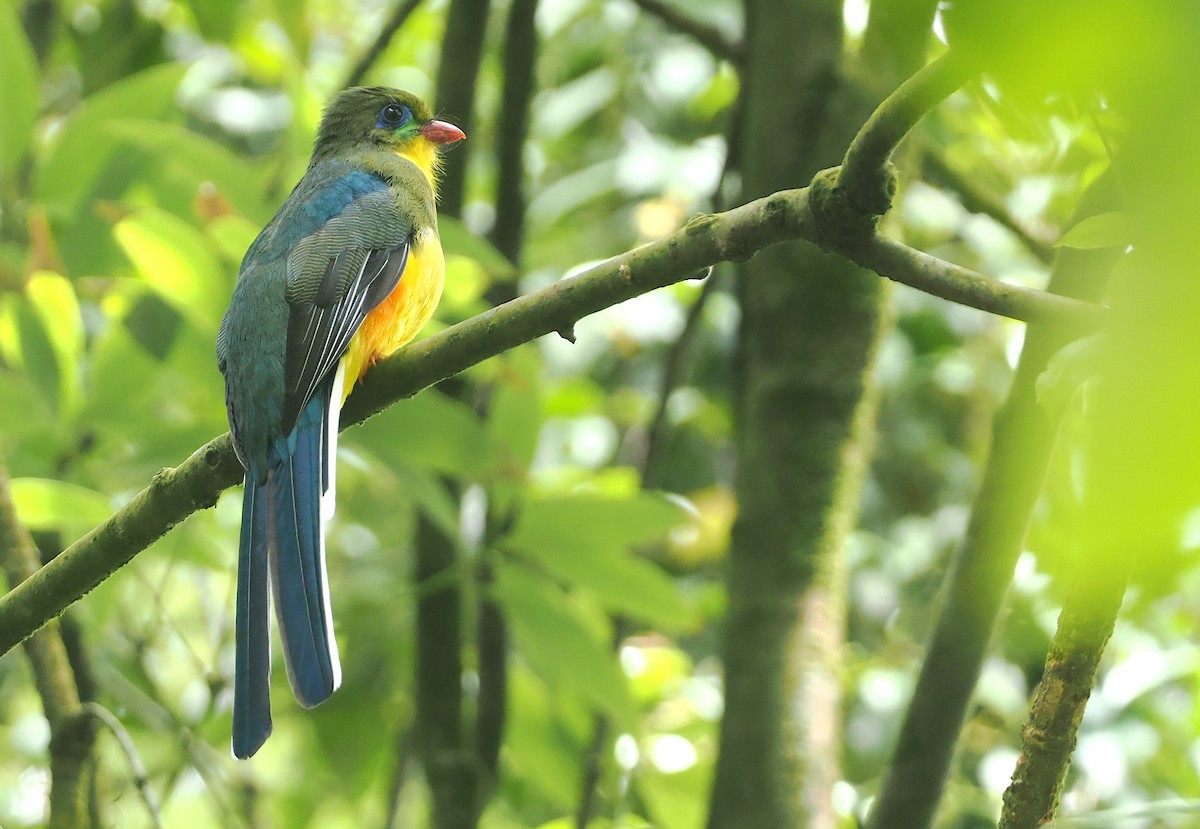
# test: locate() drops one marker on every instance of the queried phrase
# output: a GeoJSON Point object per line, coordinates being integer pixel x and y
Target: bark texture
{"type": "Point", "coordinates": [804, 420]}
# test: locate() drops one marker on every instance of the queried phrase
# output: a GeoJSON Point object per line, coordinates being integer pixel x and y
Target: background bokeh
{"type": "Point", "coordinates": [144, 143]}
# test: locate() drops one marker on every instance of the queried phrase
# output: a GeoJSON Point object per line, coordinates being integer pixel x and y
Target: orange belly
{"type": "Point", "coordinates": [407, 309]}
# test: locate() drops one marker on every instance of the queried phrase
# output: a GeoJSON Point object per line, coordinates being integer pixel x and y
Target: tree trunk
{"type": "Point", "coordinates": [810, 324]}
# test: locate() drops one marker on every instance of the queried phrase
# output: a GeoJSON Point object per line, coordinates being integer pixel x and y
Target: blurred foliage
{"type": "Point", "coordinates": [143, 144]}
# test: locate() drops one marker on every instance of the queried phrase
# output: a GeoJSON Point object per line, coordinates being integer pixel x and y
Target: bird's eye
{"type": "Point", "coordinates": [393, 116]}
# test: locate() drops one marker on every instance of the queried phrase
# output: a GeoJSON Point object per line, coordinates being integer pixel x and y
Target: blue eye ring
{"type": "Point", "coordinates": [393, 116]}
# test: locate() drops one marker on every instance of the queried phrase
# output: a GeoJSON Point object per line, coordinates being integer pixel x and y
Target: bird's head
{"type": "Point", "coordinates": [377, 116]}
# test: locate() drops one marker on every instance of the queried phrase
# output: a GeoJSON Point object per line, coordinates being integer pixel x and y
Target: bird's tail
{"type": "Point", "coordinates": [252, 672]}
{"type": "Point", "coordinates": [297, 557]}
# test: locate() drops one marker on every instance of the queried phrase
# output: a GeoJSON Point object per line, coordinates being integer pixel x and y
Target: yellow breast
{"type": "Point", "coordinates": [405, 312]}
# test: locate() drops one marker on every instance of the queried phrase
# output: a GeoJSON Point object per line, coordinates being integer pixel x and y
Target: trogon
{"type": "Point", "coordinates": [347, 271]}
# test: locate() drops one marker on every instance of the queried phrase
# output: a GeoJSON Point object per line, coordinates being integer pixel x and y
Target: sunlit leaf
{"type": "Point", "coordinates": [1104, 230]}
{"type": "Point", "coordinates": [53, 300]}
{"type": "Point", "coordinates": [466, 282]}
{"type": "Point", "coordinates": [44, 504]}
{"type": "Point", "coordinates": [177, 262]}
{"type": "Point", "coordinates": [558, 643]}
{"type": "Point", "coordinates": [18, 91]}
{"type": "Point", "coordinates": [66, 175]}
{"type": "Point", "coordinates": [26, 343]}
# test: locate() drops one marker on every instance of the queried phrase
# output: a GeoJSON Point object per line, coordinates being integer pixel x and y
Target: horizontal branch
{"type": "Point", "coordinates": [734, 235]}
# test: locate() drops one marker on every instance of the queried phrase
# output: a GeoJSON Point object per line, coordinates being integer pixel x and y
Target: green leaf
{"type": "Point", "coordinates": [122, 376]}
{"type": "Point", "coordinates": [587, 541]}
{"type": "Point", "coordinates": [431, 430]}
{"type": "Point", "coordinates": [53, 299]}
{"type": "Point", "coordinates": [515, 421]}
{"type": "Point", "coordinates": [560, 643]}
{"type": "Point", "coordinates": [1104, 230]}
{"type": "Point", "coordinates": [216, 19]}
{"type": "Point", "coordinates": [561, 526]}
{"type": "Point", "coordinates": [625, 584]}
{"type": "Point", "coordinates": [69, 171]}
{"type": "Point", "coordinates": [188, 164]}
{"type": "Point", "coordinates": [18, 91]}
{"type": "Point", "coordinates": [177, 261]}
{"type": "Point", "coordinates": [539, 748]}
{"type": "Point", "coordinates": [457, 240]}
{"type": "Point", "coordinates": [45, 504]}
{"type": "Point", "coordinates": [1066, 374]}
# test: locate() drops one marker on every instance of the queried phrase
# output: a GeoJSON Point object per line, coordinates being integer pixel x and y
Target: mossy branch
{"type": "Point", "coordinates": [734, 235]}
{"type": "Point", "coordinates": [737, 234]}
{"type": "Point", "coordinates": [866, 177]}
{"type": "Point", "coordinates": [1084, 627]}
{"type": "Point", "coordinates": [1023, 435]}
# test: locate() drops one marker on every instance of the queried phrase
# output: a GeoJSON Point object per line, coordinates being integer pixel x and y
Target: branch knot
{"type": "Point", "coordinates": [846, 217]}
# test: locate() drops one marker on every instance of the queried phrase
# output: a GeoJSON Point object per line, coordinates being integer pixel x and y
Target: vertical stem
{"type": "Point", "coordinates": [72, 733]}
{"type": "Point", "coordinates": [491, 639]}
{"type": "Point", "coordinates": [458, 71]}
{"type": "Point", "coordinates": [448, 768]}
{"type": "Point", "coordinates": [1022, 437]}
{"type": "Point", "coordinates": [512, 128]}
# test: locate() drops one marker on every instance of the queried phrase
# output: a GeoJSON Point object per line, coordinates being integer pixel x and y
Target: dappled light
{"type": "Point", "coordinates": [807, 434]}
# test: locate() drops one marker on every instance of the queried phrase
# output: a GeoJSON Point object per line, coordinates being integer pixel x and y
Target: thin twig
{"type": "Point", "coordinates": [979, 199]}
{"type": "Point", "coordinates": [71, 737]}
{"type": "Point", "coordinates": [141, 778]}
{"type": "Point", "coordinates": [400, 14]}
{"type": "Point", "coordinates": [678, 361]}
{"type": "Point", "coordinates": [710, 37]}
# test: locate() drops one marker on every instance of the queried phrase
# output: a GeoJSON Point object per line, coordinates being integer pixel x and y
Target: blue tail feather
{"type": "Point", "coordinates": [252, 671]}
{"type": "Point", "coordinates": [297, 481]}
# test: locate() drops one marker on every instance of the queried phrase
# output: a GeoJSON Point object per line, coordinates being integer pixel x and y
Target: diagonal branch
{"type": "Point", "coordinates": [737, 234]}
{"type": "Point", "coordinates": [1023, 436]}
{"type": "Point", "coordinates": [865, 176]}
{"type": "Point", "coordinates": [721, 44]}
{"type": "Point", "coordinates": [1088, 616]}
{"type": "Point", "coordinates": [977, 198]}
{"type": "Point", "coordinates": [403, 10]}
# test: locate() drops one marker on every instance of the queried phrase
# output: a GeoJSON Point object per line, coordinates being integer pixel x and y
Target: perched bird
{"type": "Point", "coordinates": [349, 270]}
